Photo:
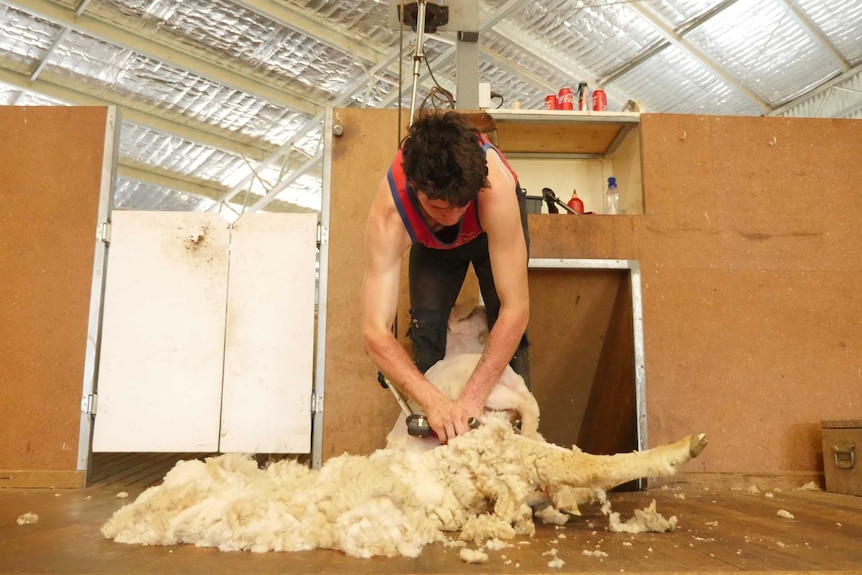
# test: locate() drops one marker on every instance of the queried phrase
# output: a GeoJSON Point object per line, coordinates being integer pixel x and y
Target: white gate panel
{"type": "Point", "coordinates": [160, 370]}
{"type": "Point", "coordinates": [266, 405]}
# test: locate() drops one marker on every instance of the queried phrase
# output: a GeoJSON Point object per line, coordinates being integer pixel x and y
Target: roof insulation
{"type": "Point", "coordinates": [223, 100]}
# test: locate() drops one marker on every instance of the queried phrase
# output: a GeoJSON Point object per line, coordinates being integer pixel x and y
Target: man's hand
{"type": "Point", "coordinates": [449, 418]}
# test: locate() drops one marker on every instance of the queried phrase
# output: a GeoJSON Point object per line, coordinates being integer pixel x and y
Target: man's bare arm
{"type": "Point", "coordinates": [386, 240]}
{"type": "Point", "coordinates": [501, 220]}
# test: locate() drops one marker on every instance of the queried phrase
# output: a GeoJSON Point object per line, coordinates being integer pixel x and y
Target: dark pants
{"type": "Point", "coordinates": [436, 277]}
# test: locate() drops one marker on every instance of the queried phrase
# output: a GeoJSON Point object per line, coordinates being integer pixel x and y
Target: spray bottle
{"type": "Point", "coordinates": [575, 202]}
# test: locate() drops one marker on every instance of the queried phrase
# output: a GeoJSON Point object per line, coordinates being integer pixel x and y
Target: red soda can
{"type": "Point", "coordinates": [565, 99]}
{"type": "Point", "coordinates": [600, 100]}
{"type": "Point", "coordinates": [551, 102]}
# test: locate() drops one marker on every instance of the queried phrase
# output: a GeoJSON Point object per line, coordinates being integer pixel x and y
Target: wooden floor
{"type": "Point", "coordinates": [719, 531]}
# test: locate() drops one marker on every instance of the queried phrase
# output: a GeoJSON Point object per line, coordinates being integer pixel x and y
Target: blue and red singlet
{"type": "Point", "coordinates": [407, 203]}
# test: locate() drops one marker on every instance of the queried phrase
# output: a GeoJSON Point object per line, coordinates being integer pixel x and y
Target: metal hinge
{"type": "Point", "coordinates": [89, 403]}
{"type": "Point", "coordinates": [322, 234]}
{"type": "Point", "coordinates": [316, 403]}
{"type": "Point", "coordinates": [104, 233]}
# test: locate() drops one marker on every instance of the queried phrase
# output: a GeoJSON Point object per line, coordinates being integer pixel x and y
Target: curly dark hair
{"type": "Point", "coordinates": [443, 158]}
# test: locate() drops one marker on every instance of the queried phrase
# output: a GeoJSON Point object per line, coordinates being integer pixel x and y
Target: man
{"type": "Point", "coordinates": [453, 199]}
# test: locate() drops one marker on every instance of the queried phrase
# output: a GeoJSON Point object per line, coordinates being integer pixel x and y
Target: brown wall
{"type": "Point", "coordinates": [50, 178]}
{"type": "Point", "coordinates": [357, 411]}
{"type": "Point", "coordinates": [751, 264]}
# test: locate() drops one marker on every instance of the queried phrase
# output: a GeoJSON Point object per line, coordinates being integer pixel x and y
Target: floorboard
{"type": "Point", "coordinates": [719, 531]}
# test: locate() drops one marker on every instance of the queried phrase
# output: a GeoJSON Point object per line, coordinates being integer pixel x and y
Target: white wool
{"type": "Point", "coordinates": [122, 495]}
{"type": "Point", "coordinates": [28, 519]}
{"type": "Point", "coordinates": [496, 544]}
{"type": "Point", "coordinates": [551, 516]}
{"type": "Point", "coordinates": [594, 553]}
{"type": "Point", "coordinates": [810, 486]}
{"type": "Point", "coordinates": [486, 526]}
{"type": "Point", "coordinates": [786, 514]}
{"type": "Point", "coordinates": [389, 503]}
{"type": "Point", "coordinates": [473, 555]}
{"type": "Point", "coordinates": [556, 563]}
{"type": "Point", "coordinates": [397, 500]}
{"type": "Point", "coordinates": [644, 520]}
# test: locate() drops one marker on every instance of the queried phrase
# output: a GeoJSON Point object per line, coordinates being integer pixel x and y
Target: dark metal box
{"type": "Point", "coordinates": [841, 442]}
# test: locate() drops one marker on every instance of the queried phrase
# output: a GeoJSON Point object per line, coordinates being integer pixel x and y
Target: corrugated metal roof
{"type": "Point", "coordinates": [224, 99]}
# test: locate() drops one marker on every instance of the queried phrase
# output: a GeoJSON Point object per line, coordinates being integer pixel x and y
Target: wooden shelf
{"type": "Point", "coordinates": [554, 132]}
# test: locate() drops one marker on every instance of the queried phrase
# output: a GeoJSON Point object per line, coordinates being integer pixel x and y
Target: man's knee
{"type": "Point", "coordinates": [428, 333]}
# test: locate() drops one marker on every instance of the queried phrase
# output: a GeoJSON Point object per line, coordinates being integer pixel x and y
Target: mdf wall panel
{"type": "Point", "coordinates": [357, 411]}
{"type": "Point", "coordinates": [750, 272]}
{"type": "Point", "coordinates": [770, 312]}
{"type": "Point", "coordinates": [578, 304]}
{"type": "Point", "coordinates": [755, 359]}
{"type": "Point", "coordinates": [51, 175]}
{"type": "Point", "coordinates": [750, 280]}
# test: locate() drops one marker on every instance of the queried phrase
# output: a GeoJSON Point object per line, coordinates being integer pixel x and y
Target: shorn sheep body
{"type": "Point", "coordinates": [481, 486]}
{"type": "Point", "coordinates": [466, 337]}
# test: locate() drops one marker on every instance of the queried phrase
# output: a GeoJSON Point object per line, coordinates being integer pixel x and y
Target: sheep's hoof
{"type": "Point", "coordinates": [696, 444]}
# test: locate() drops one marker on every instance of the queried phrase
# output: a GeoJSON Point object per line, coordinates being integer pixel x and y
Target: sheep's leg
{"type": "Point", "coordinates": [577, 469]}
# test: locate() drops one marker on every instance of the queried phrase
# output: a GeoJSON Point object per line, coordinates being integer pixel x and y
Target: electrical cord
{"type": "Point", "coordinates": [437, 94]}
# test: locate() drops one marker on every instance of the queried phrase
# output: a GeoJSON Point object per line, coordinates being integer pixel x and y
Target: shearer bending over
{"type": "Point", "coordinates": [452, 198]}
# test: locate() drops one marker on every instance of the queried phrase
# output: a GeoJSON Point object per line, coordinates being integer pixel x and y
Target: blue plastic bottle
{"type": "Point", "coordinates": [612, 197]}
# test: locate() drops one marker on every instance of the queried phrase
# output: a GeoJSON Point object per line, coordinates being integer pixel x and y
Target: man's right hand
{"type": "Point", "coordinates": [448, 419]}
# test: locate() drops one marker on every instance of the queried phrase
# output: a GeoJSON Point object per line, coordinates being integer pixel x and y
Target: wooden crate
{"type": "Point", "coordinates": [840, 442]}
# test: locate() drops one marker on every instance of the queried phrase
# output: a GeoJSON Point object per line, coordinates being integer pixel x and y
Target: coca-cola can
{"type": "Point", "coordinates": [600, 100]}
{"type": "Point", "coordinates": [565, 99]}
{"type": "Point", "coordinates": [551, 102]}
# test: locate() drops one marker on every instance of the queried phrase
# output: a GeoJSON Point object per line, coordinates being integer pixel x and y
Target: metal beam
{"type": "Point", "coordinates": [817, 34]}
{"type": "Point", "coordinates": [816, 91]}
{"type": "Point", "coordinates": [660, 45]}
{"type": "Point", "coordinates": [565, 66]}
{"type": "Point", "coordinates": [132, 171]}
{"type": "Point", "coordinates": [704, 17]}
{"type": "Point", "coordinates": [135, 173]}
{"type": "Point", "coordinates": [157, 123]}
{"type": "Point", "coordinates": [851, 109]}
{"type": "Point", "coordinates": [518, 70]}
{"type": "Point", "coordinates": [48, 53]}
{"type": "Point", "coordinates": [676, 39]}
{"type": "Point", "coordinates": [344, 95]}
{"type": "Point", "coordinates": [283, 184]}
{"type": "Point", "coordinates": [347, 94]}
{"type": "Point", "coordinates": [489, 22]}
{"type": "Point", "coordinates": [323, 32]}
{"type": "Point", "coordinates": [162, 52]}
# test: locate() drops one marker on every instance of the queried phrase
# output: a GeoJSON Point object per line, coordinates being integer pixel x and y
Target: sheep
{"type": "Point", "coordinates": [483, 485]}
{"type": "Point", "coordinates": [466, 337]}
{"type": "Point", "coordinates": [389, 503]}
